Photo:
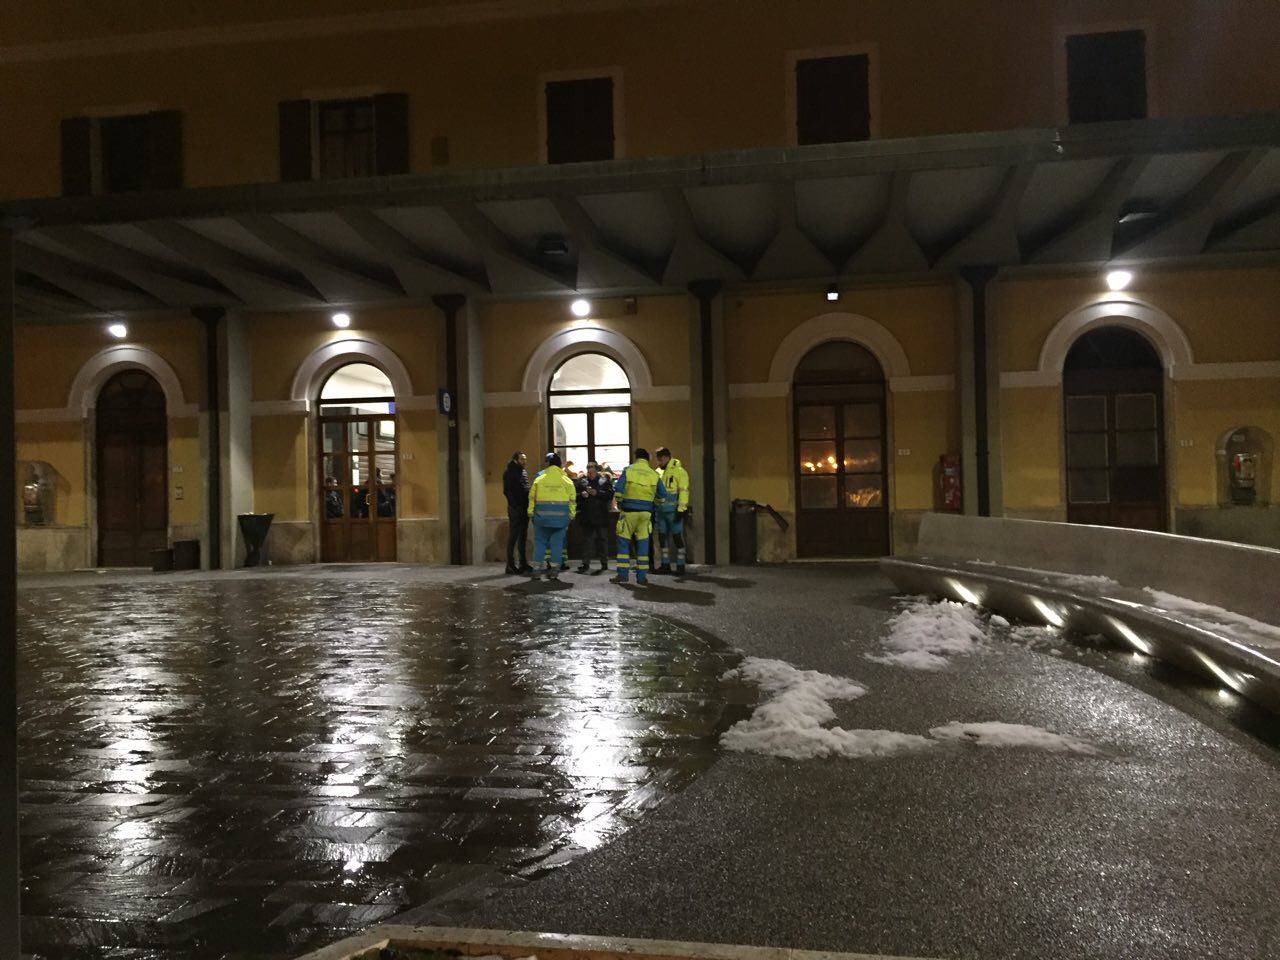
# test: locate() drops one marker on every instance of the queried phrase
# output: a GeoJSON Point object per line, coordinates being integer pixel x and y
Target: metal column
{"type": "Point", "coordinates": [978, 278]}
{"type": "Point", "coordinates": [211, 317]}
{"type": "Point", "coordinates": [706, 292]}
{"type": "Point", "coordinates": [9, 872]}
{"type": "Point", "coordinates": [449, 305]}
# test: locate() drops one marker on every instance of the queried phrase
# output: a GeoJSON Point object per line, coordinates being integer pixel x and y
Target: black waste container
{"type": "Point", "coordinates": [254, 526]}
{"type": "Point", "coordinates": [186, 554]}
{"type": "Point", "coordinates": [161, 560]}
{"type": "Point", "coordinates": [742, 531]}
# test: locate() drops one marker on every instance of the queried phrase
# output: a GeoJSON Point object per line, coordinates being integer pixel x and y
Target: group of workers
{"type": "Point", "coordinates": [643, 502]}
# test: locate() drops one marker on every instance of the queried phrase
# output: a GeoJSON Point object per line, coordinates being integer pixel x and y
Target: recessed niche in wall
{"type": "Point", "coordinates": [1245, 456]}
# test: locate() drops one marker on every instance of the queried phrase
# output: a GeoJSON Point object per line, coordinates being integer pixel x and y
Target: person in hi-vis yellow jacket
{"type": "Point", "coordinates": [552, 505]}
{"type": "Point", "coordinates": [638, 490]}
{"type": "Point", "coordinates": [670, 515]}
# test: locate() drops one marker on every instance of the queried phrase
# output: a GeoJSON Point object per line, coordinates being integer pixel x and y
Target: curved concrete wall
{"type": "Point", "coordinates": [1236, 577]}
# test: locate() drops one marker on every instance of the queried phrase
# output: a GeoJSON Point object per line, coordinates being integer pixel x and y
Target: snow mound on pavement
{"type": "Point", "coordinates": [790, 723]}
{"type": "Point", "coordinates": [926, 632]}
{"type": "Point", "coordinates": [993, 734]}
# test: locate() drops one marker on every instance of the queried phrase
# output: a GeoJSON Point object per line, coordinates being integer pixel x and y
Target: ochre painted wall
{"type": "Point", "coordinates": [62, 446]}
{"type": "Point", "coordinates": [698, 75]}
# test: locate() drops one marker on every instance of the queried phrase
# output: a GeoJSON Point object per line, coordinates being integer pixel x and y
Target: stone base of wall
{"type": "Point", "coordinates": [424, 540]}
{"type": "Point", "coordinates": [1259, 526]}
{"type": "Point", "coordinates": [291, 542]}
{"type": "Point", "coordinates": [494, 547]}
{"type": "Point", "coordinates": [53, 548]}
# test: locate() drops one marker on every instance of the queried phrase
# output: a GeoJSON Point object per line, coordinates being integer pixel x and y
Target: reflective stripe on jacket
{"type": "Point", "coordinates": [676, 480]}
{"type": "Point", "coordinates": [639, 488]}
{"type": "Point", "coordinates": [551, 498]}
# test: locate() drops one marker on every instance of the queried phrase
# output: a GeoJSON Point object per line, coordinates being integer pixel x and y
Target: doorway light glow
{"type": "Point", "coordinates": [342, 320]}
{"type": "Point", "coordinates": [1119, 279]}
{"type": "Point", "coordinates": [118, 330]}
{"type": "Point", "coordinates": [580, 308]}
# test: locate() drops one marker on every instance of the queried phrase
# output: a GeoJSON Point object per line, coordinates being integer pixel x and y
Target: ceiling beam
{"type": "Point", "coordinates": [327, 271]}
{"type": "Point", "coordinates": [81, 281]}
{"type": "Point", "coordinates": [508, 269]}
{"type": "Point", "coordinates": [891, 247]}
{"type": "Point", "coordinates": [1089, 234]}
{"type": "Point", "coordinates": [252, 281]}
{"type": "Point", "coordinates": [992, 238]}
{"type": "Point", "coordinates": [791, 253]}
{"type": "Point", "coordinates": [419, 276]}
{"type": "Point", "coordinates": [692, 256]}
{"type": "Point", "coordinates": [598, 262]}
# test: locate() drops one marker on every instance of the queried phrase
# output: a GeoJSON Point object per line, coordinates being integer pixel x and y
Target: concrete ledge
{"type": "Point", "coordinates": [556, 946]}
{"type": "Point", "coordinates": [1248, 670]}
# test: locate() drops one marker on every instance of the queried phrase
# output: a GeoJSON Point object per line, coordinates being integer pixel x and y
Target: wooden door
{"type": "Point", "coordinates": [841, 479]}
{"type": "Point", "coordinates": [358, 491]}
{"type": "Point", "coordinates": [1114, 432]}
{"type": "Point", "coordinates": [132, 470]}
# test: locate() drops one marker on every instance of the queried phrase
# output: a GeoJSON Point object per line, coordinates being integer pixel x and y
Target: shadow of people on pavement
{"type": "Point", "coordinates": [659, 593]}
{"type": "Point", "coordinates": [537, 586]}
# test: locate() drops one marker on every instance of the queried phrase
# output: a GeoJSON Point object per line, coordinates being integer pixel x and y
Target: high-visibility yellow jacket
{"type": "Point", "coordinates": [639, 488]}
{"type": "Point", "coordinates": [552, 498]}
{"type": "Point", "coordinates": [676, 480]}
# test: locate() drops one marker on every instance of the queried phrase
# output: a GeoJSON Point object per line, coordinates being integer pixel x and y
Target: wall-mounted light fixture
{"type": "Point", "coordinates": [118, 330]}
{"type": "Point", "coordinates": [1118, 279]}
{"type": "Point", "coordinates": [580, 308]}
{"type": "Point", "coordinates": [833, 293]}
{"type": "Point", "coordinates": [342, 320]}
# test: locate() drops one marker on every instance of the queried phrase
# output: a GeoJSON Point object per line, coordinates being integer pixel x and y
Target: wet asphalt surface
{"type": "Point", "coordinates": [1163, 847]}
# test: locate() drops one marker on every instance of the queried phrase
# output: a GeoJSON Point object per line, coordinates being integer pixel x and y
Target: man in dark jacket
{"type": "Point", "coordinates": [595, 495]}
{"type": "Point", "coordinates": [515, 487]}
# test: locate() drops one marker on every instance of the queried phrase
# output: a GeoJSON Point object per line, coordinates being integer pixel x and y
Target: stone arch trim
{"type": "Point", "coordinates": [105, 364]}
{"type": "Point", "coordinates": [839, 326]}
{"type": "Point", "coordinates": [321, 362]}
{"type": "Point", "coordinates": [567, 343]}
{"type": "Point", "coordinates": [1158, 327]}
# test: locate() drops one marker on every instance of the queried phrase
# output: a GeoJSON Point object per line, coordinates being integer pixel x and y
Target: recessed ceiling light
{"type": "Point", "coordinates": [833, 293]}
{"type": "Point", "coordinates": [341, 320]}
{"type": "Point", "coordinates": [580, 308]}
{"type": "Point", "coordinates": [118, 330]}
{"type": "Point", "coordinates": [1118, 279]}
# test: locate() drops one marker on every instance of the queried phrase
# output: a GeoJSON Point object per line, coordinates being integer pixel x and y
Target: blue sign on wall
{"type": "Point", "coordinates": [444, 402]}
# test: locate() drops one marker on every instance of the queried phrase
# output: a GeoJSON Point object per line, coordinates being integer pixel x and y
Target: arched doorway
{"type": "Point", "coordinates": [1113, 387]}
{"type": "Point", "coordinates": [589, 412]}
{"type": "Point", "coordinates": [840, 458]}
{"type": "Point", "coordinates": [132, 439]}
{"type": "Point", "coordinates": [357, 465]}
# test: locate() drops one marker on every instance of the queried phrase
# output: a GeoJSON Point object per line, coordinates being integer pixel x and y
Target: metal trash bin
{"type": "Point", "coordinates": [161, 560]}
{"type": "Point", "coordinates": [254, 526]}
{"type": "Point", "coordinates": [186, 554]}
{"type": "Point", "coordinates": [742, 531]}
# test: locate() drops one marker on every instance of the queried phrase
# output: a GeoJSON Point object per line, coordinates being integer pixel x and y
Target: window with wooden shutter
{"type": "Point", "coordinates": [580, 122]}
{"type": "Point", "coordinates": [295, 141]}
{"type": "Point", "coordinates": [833, 99]}
{"type": "Point", "coordinates": [1107, 76]}
{"type": "Point", "coordinates": [391, 133]}
{"type": "Point", "coordinates": [164, 161]}
{"type": "Point", "coordinates": [77, 156]}
{"type": "Point", "coordinates": [345, 139]}
{"type": "Point", "coordinates": [125, 151]}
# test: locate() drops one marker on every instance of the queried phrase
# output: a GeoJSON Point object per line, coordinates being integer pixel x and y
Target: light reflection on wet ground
{"type": "Point", "coordinates": [252, 768]}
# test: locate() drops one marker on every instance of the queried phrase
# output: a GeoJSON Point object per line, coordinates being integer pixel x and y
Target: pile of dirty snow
{"type": "Point", "coordinates": [993, 734]}
{"type": "Point", "coordinates": [790, 723]}
{"type": "Point", "coordinates": [926, 632]}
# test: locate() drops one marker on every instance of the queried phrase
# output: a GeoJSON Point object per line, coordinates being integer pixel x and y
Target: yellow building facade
{"type": "Point", "coordinates": [849, 333]}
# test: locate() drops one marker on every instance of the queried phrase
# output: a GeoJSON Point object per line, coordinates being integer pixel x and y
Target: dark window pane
{"type": "Point", "coordinates": [839, 361]}
{"type": "Point", "coordinates": [1137, 484]}
{"type": "Point", "coordinates": [580, 120]}
{"type": "Point", "coordinates": [346, 138]}
{"type": "Point", "coordinates": [1086, 450]}
{"type": "Point", "coordinates": [1107, 76]}
{"type": "Point", "coordinates": [816, 423]}
{"type": "Point", "coordinates": [1135, 411]}
{"type": "Point", "coordinates": [862, 420]}
{"type": "Point", "coordinates": [1086, 413]}
{"type": "Point", "coordinates": [1087, 486]}
{"type": "Point", "coordinates": [1137, 448]}
{"type": "Point", "coordinates": [832, 99]}
{"type": "Point", "coordinates": [818, 492]}
{"type": "Point", "coordinates": [862, 456]}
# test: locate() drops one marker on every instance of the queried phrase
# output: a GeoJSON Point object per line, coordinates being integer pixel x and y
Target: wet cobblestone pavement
{"type": "Point", "coordinates": [252, 768]}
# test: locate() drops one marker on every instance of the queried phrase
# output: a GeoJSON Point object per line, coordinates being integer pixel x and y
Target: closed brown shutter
{"type": "Point", "coordinates": [165, 167]}
{"type": "Point", "coordinates": [295, 140]}
{"type": "Point", "coordinates": [391, 133]}
{"type": "Point", "coordinates": [579, 120]}
{"type": "Point", "coordinates": [77, 156]}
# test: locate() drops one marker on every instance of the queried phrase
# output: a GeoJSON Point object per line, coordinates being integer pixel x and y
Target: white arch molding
{"type": "Point", "coordinates": [323, 361]}
{"type": "Point", "coordinates": [559, 347]}
{"type": "Point", "coordinates": [839, 326]}
{"type": "Point", "coordinates": [105, 364]}
{"type": "Point", "coordinates": [1160, 329]}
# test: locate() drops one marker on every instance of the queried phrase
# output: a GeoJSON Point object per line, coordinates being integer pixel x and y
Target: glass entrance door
{"type": "Point", "coordinates": [358, 489]}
